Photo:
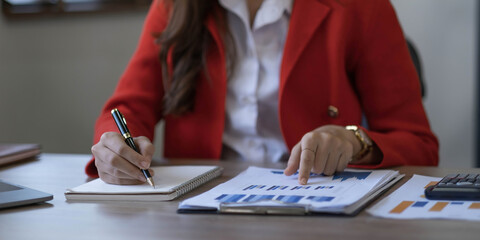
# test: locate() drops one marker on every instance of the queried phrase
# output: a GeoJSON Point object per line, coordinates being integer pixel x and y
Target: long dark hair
{"type": "Point", "coordinates": [184, 43]}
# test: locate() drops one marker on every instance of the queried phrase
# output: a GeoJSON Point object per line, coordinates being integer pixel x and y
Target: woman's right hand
{"type": "Point", "coordinates": [117, 163]}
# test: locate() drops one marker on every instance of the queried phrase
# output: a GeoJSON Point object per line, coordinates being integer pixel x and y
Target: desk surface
{"type": "Point", "coordinates": [59, 219]}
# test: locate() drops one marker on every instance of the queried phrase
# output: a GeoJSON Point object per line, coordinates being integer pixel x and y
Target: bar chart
{"type": "Point", "coordinates": [343, 176]}
{"type": "Point", "coordinates": [432, 206]}
{"type": "Point", "coordinates": [409, 202]}
{"type": "Point", "coordinates": [236, 198]}
{"type": "Point", "coordinates": [287, 188]}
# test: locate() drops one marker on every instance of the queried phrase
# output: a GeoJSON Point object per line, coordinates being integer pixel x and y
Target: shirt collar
{"type": "Point", "coordinates": [269, 11]}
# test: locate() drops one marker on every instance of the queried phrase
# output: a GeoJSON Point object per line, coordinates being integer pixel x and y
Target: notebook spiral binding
{"type": "Point", "coordinates": [190, 185]}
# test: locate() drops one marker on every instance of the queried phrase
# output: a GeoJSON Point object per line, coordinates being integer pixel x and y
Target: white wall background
{"type": "Point", "coordinates": [56, 73]}
{"type": "Point", "coordinates": [445, 33]}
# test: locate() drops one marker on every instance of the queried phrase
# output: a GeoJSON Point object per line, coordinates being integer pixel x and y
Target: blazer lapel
{"type": "Point", "coordinates": [307, 15]}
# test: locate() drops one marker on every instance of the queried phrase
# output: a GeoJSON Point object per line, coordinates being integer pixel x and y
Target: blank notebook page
{"type": "Point", "coordinates": [166, 178]}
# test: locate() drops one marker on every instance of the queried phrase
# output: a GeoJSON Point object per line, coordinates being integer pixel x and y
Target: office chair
{"type": "Point", "coordinates": [418, 65]}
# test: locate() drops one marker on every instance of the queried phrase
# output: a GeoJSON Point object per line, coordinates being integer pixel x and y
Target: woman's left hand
{"type": "Point", "coordinates": [326, 150]}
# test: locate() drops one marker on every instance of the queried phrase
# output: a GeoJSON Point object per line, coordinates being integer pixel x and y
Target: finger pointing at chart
{"type": "Point", "coordinates": [325, 150]}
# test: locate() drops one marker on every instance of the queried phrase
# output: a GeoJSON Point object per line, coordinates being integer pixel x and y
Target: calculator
{"type": "Point", "coordinates": [455, 187]}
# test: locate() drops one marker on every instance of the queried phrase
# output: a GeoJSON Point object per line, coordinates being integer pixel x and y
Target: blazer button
{"type": "Point", "coordinates": [332, 111]}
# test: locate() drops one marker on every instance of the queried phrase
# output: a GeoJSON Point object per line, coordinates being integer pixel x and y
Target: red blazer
{"type": "Point", "coordinates": [346, 55]}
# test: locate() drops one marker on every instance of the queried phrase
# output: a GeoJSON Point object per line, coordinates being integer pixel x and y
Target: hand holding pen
{"type": "Point", "coordinates": [117, 162]}
{"type": "Point", "coordinates": [122, 127]}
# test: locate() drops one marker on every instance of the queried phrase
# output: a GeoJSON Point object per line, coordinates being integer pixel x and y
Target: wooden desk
{"type": "Point", "coordinates": [58, 219]}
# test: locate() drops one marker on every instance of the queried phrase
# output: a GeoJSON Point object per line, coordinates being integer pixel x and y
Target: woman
{"type": "Point", "coordinates": [269, 81]}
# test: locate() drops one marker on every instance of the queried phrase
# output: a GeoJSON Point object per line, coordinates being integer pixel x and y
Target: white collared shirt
{"type": "Point", "coordinates": [252, 128]}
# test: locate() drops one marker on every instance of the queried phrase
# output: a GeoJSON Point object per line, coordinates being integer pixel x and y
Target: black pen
{"type": "Point", "coordinates": [122, 126]}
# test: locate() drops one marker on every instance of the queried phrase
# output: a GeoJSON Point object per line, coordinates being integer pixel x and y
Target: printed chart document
{"type": "Point", "coordinates": [269, 191]}
{"type": "Point", "coordinates": [170, 183]}
{"type": "Point", "coordinates": [409, 202]}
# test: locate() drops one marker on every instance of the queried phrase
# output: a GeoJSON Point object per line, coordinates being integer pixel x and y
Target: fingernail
{"type": "Point", "coordinates": [303, 181]}
{"type": "Point", "coordinates": [144, 165]}
{"type": "Point", "coordinates": [142, 178]}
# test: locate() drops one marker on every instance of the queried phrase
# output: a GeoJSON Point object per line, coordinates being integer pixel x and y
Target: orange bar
{"type": "Point", "coordinates": [439, 206]}
{"type": "Point", "coordinates": [431, 184]}
{"type": "Point", "coordinates": [474, 205]}
{"type": "Point", "coordinates": [401, 207]}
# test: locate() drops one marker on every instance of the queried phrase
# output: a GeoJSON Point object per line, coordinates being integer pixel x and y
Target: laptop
{"type": "Point", "coordinates": [12, 195]}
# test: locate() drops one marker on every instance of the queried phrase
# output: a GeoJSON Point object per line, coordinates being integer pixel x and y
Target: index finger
{"type": "Point", "coordinates": [307, 158]}
{"type": "Point", "coordinates": [293, 161]}
{"type": "Point", "coordinates": [146, 149]}
{"type": "Point", "coordinates": [116, 143]}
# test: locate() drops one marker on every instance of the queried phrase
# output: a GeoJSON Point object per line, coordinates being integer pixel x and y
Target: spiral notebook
{"type": "Point", "coordinates": [170, 183]}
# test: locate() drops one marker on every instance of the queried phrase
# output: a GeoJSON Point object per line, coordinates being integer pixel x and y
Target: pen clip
{"type": "Point", "coordinates": [123, 118]}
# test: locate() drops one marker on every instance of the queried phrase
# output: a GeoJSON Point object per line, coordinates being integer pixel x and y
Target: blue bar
{"type": "Point", "coordinates": [254, 198]}
{"type": "Point", "coordinates": [219, 198]}
{"type": "Point", "coordinates": [419, 204]}
{"type": "Point", "coordinates": [230, 197]}
{"type": "Point", "coordinates": [457, 203]}
{"type": "Point", "coordinates": [235, 197]}
{"type": "Point", "coordinates": [277, 187]}
{"type": "Point", "coordinates": [289, 198]}
{"type": "Point", "coordinates": [300, 187]}
{"type": "Point", "coordinates": [320, 198]}
{"type": "Point", "coordinates": [253, 187]}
